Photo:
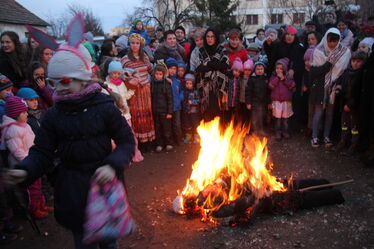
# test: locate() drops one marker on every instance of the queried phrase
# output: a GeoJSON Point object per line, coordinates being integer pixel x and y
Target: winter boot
{"type": "Point", "coordinates": [353, 147]}
{"type": "Point", "coordinates": [343, 140]}
{"type": "Point", "coordinates": [285, 133]}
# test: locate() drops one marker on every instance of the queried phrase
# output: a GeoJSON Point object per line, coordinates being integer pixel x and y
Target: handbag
{"type": "Point", "coordinates": [108, 214]}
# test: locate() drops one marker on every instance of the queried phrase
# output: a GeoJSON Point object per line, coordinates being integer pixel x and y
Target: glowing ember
{"type": "Point", "coordinates": [231, 166]}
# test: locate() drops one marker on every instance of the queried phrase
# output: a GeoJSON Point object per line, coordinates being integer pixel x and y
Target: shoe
{"type": "Point", "coordinates": [6, 238]}
{"type": "Point", "coordinates": [13, 228]}
{"type": "Point", "coordinates": [47, 208]}
{"type": "Point", "coordinates": [278, 135]}
{"type": "Point", "coordinates": [169, 147]}
{"type": "Point", "coordinates": [158, 148]}
{"type": "Point", "coordinates": [315, 142]}
{"type": "Point", "coordinates": [285, 134]}
{"type": "Point", "coordinates": [327, 142]}
{"type": "Point", "coordinates": [39, 214]}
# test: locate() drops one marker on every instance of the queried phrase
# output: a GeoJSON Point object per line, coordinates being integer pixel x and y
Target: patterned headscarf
{"type": "Point", "coordinates": [138, 37]}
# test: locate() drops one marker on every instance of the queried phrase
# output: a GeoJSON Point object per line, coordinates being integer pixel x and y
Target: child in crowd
{"type": "Point", "coordinates": [349, 86]}
{"type": "Point", "coordinates": [234, 47]}
{"type": "Point", "coordinates": [256, 97]}
{"type": "Point", "coordinates": [5, 89]}
{"type": "Point", "coordinates": [172, 65]}
{"type": "Point", "coordinates": [366, 45]}
{"type": "Point", "coordinates": [153, 45]}
{"type": "Point", "coordinates": [181, 72]}
{"type": "Point", "coordinates": [233, 90]}
{"type": "Point", "coordinates": [281, 95]}
{"type": "Point", "coordinates": [191, 110]}
{"type": "Point", "coordinates": [162, 105]}
{"type": "Point", "coordinates": [244, 113]}
{"type": "Point", "coordinates": [115, 84]}
{"type": "Point", "coordinates": [37, 206]}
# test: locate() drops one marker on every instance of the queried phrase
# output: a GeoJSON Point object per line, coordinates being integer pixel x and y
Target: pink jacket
{"type": "Point", "coordinates": [281, 90]}
{"type": "Point", "coordinates": [18, 138]}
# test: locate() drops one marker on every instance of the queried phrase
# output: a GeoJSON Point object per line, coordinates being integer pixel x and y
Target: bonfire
{"type": "Point", "coordinates": [231, 179]}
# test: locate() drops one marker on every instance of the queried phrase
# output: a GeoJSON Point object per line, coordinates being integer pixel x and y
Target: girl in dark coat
{"type": "Point", "coordinates": [78, 131]}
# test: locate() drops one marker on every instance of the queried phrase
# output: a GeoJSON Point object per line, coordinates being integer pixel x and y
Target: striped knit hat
{"type": "Point", "coordinates": [14, 106]}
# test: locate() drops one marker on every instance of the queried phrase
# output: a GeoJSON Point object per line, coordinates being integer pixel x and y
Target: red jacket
{"type": "Point", "coordinates": [240, 52]}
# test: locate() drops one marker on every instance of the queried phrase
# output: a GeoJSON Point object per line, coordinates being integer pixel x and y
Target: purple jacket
{"type": "Point", "coordinates": [281, 90]}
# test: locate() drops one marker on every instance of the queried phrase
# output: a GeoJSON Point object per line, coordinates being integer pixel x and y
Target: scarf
{"type": "Point", "coordinates": [35, 113]}
{"type": "Point", "coordinates": [339, 57]}
{"type": "Point", "coordinates": [212, 81]}
{"type": "Point", "coordinates": [116, 82]}
{"type": "Point", "coordinates": [175, 51]}
{"type": "Point", "coordinates": [91, 88]}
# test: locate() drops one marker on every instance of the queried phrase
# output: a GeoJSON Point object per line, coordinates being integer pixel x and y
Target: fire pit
{"type": "Point", "coordinates": [231, 180]}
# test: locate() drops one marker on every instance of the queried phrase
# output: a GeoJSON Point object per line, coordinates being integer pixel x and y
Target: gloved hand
{"type": "Point", "coordinates": [14, 176]}
{"type": "Point", "coordinates": [105, 174]}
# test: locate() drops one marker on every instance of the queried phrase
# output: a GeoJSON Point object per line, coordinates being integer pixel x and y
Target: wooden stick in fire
{"type": "Point", "coordinates": [325, 185]}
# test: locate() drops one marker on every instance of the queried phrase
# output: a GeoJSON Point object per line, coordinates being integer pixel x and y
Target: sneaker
{"type": "Point", "coordinates": [6, 238]}
{"type": "Point", "coordinates": [315, 142]}
{"type": "Point", "coordinates": [39, 214]}
{"type": "Point", "coordinates": [169, 147]}
{"type": "Point", "coordinates": [327, 142]}
{"type": "Point", "coordinates": [158, 148]}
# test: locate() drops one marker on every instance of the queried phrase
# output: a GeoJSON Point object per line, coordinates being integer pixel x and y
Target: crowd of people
{"type": "Point", "coordinates": [317, 80]}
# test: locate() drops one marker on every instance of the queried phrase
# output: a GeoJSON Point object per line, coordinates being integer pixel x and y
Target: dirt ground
{"type": "Point", "coordinates": [153, 184]}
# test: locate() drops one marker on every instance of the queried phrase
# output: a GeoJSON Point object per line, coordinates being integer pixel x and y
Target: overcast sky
{"type": "Point", "coordinates": [111, 12]}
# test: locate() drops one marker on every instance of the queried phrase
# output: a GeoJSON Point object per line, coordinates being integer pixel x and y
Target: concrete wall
{"type": "Point", "coordinates": [18, 28]}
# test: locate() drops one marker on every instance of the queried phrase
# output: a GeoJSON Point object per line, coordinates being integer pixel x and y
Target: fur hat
{"type": "Point", "coordinates": [360, 55]}
{"type": "Point", "coordinates": [237, 64]}
{"type": "Point", "coordinates": [115, 66]}
{"type": "Point", "coordinates": [14, 106]}
{"type": "Point", "coordinates": [27, 93]}
{"type": "Point", "coordinates": [4, 82]}
{"type": "Point", "coordinates": [171, 62]}
{"type": "Point", "coordinates": [190, 77]}
{"type": "Point", "coordinates": [248, 65]}
{"type": "Point", "coordinates": [291, 30]}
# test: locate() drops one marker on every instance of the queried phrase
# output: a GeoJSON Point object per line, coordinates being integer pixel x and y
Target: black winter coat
{"type": "Point", "coordinates": [317, 83]}
{"type": "Point", "coordinates": [162, 96]}
{"type": "Point", "coordinates": [79, 134]}
{"type": "Point", "coordinates": [6, 68]}
{"type": "Point", "coordinates": [350, 81]}
{"type": "Point", "coordinates": [257, 91]}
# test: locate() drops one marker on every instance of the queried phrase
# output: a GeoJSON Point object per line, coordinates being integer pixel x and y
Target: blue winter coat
{"type": "Point", "coordinates": [2, 110]}
{"type": "Point", "coordinates": [78, 133]}
{"type": "Point", "coordinates": [178, 95]}
{"type": "Point", "coordinates": [143, 33]}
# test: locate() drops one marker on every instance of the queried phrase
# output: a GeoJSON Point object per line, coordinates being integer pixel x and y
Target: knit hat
{"type": "Point", "coordinates": [308, 53]}
{"type": "Point", "coordinates": [259, 63]}
{"type": "Point", "coordinates": [310, 23]}
{"type": "Point", "coordinates": [253, 46]}
{"type": "Point", "coordinates": [284, 62]}
{"type": "Point", "coordinates": [4, 82]}
{"type": "Point", "coordinates": [136, 20]}
{"type": "Point", "coordinates": [291, 30]}
{"type": "Point", "coordinates": [122, 41]}
{"type": "Point", "coordinates": [234, 33]}
{"type": "Point", "coordinates": [248, 65]}
{"type": "Point", "coordinates": [237, 64]}
{"type": "Point", "coordinates": [270, 30]}
{"type": "Point", "coordinates": [189, 77]}
{"type": "Point", "coordinates": [90, 50]}
{"type": "Point", "coordinates": [360, 55]}
{"type": "Point", "coordinates": [181, 28]}
{"type": "Point", "coordinates": [159, 28]}
{"type": "Point", "coordinates": [182, 64]}
{"type": "Point", "coordinates": [171, 62]}
{"type": "Point", "coordinates": [27, 93]}
{"type": "Point", "coordinates": [368, 41]}
{"type": "Point", "coordinates": [115, 66]}
{"type": "Point", "coordinates": [14, 106]}
{"type": "Point", "coordinates": [89, 37]}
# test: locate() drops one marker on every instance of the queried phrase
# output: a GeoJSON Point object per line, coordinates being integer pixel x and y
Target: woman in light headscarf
{"type": "Point", "coordinates": [330, 58]}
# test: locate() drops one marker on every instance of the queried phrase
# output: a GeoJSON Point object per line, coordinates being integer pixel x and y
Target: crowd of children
{"type": "Point", "coordinates": [164, 91]}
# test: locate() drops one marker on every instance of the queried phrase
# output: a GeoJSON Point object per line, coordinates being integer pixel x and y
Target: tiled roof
{"type": "Point", "coordinates": [13, 12]}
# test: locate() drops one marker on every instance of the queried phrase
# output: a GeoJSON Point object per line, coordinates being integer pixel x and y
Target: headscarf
{"type": "Point", "coordinates": [339, 57]}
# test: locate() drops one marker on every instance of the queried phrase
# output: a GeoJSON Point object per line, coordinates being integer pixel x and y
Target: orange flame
{"type": "Point", "coordinates": [228, 165]}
